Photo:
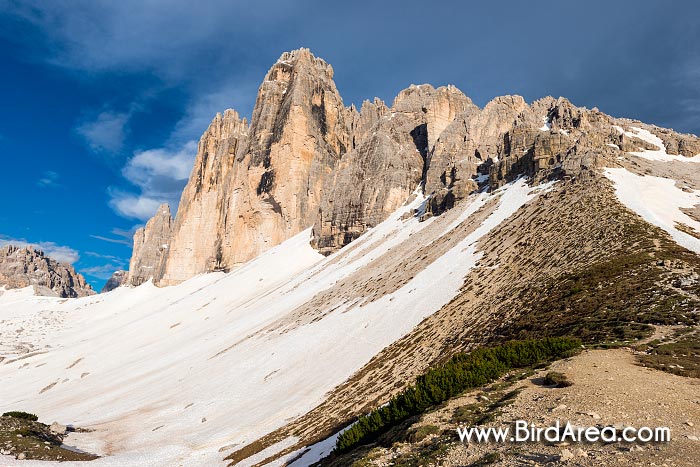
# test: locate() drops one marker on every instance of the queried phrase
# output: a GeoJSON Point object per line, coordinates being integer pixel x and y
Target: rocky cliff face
{"type": "Point", "coordinates": [196, 243]}
{"type": "Point", "coordinates": [253, 187]}
{"type": "Point", "coordinates": [117, 279]}
{"type": "Point", "coordinates": [25, 266]}
{"type": "Point", "coordinates": [387, 163]}
{"type": "Point", "coordinates": [305, 161]}
{"type": "Point", "coordinates": [151, 244]}
{"type": "Point", "coordinates": [299, 132]}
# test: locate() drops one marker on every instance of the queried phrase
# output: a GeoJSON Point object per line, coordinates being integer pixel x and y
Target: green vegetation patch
{"type": "Point", "coordinates": [419, 434]}
{"type": "Point", "coordinates": [681, 357]}
{"type": "Point", "coordinates": [21, 415]}
{"type": "Point", "coordinates": [556, 379]}
{"type": "Point", "coordinates": [22, 436]}
{"type": "Point", "coordinates": [612, 301]}
{"type": "Point", "coordinates": [461, 372]}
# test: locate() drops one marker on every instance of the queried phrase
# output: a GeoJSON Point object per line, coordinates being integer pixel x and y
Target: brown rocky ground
{"type": "Point", "coordinates": [609, 388]}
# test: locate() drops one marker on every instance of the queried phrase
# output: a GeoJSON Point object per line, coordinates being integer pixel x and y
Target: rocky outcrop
{"type": "Point", "coordinates": [551, 138]}
{"type": "Point", "coordinates": [369, 183]}
{"type": "Point", "coordinates": [674, 143]}
{"type": "Point", "coordinates": [299, 132]}
{"type": "Point", "coordinates": [472, 141]}
{"type": "Point", "coordinates": [117, 279]}
{"type": "Point", "coordinates": [196, 243]}
{"type": "Point", "coordinates": [434, 108]}
{"type": "Point", "coordinates": [151, 244]}
{"type": "Point", "coordinates": [305, 161]}
{"type": "Point", "coordinates": [25, 266]}
{"type": "Point", "coordinates": [387, 164]}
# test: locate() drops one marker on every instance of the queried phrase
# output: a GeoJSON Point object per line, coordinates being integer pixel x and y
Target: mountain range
{"type": "Point", "coordinates": [305, 160]}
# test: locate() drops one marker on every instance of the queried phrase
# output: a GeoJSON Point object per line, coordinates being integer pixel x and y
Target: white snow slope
{"type": "Point", "coordinates": [658, 201]}
{"type": "Point", "coordinates": [168, 376]}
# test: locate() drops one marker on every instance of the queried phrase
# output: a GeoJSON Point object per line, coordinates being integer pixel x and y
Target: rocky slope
{"type": "Point", "coordinates": [305, 160]}
{"type": "Point", "coordinates": [609, 389]}
{"type": "Point", "coordinates": [25, 266]}
{"type": "Point", "coordinates": [117, 279]}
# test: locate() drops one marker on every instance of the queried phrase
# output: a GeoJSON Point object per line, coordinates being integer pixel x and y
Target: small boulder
{"type": "Point", "coordinates": [566, 455]}
{"type": "Point", "coordinates": [58, 429]}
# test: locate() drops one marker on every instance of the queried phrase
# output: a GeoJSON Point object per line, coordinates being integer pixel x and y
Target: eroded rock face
{"type": "Point", "coordinates": [254, 186]}
{"type": "Point", "coordinates": [468, 143]}
{"type": "Point", "coordinates": [25, 266]}
{"type": "Point", "coordinates": [387, 164]}
{"type": "Point", "coordinates": [151, 244]}
{"type": "Point", "coordinates": [196, 242]}
{"type": "Point", "coordinates": [117, 279]}
{"type": "Point", "coordinates": [300, 129]}
{"type": "Point", "coordinates": [370, 182]}
{"type": "Point", "coordinates": [551, 138]}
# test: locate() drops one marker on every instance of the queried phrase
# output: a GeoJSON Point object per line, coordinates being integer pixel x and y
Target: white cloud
{"type": "Point", "coordinates": [60, 253]}
{"type": "Point", "coordinates": [64, 254]}
{"type": "Point", "coordinates": [133, 206]}
{"type": "Point", "coordinates": [104, 271]}
{"type": "Point", "coordinates": [146, 168]}
{"type": "Point", "coordinates": [49, 179]}
{"type": "Point", "coordinates": [124, 237]}
{"type": "Point", "coordinates": [113, 258]}
{"type": "Point", "coordinates": [112, 240]}
{"type": "Point", "coordinates": [159, 175]}
{"type": "Point", "coordinates": [106, 133]}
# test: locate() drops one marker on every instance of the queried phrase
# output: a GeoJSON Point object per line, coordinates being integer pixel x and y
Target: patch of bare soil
{"type": "Point", "coordinates": [609, 389]}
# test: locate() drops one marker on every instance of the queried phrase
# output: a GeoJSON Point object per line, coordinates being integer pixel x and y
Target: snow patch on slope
{"type": "Point", "coordinates": [658, 201]}
{"type": "Point", "coordinates": [660, 154]}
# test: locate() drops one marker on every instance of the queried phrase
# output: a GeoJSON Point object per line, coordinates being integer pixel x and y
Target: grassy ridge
{"type": "Point", "coordinates": [461, 372]}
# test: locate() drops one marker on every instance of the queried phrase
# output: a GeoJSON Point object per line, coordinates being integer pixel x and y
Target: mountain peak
{"type": "Point", "coordinates": [304, 57]}
{"type": "Point", "coordinates": [22, 266]}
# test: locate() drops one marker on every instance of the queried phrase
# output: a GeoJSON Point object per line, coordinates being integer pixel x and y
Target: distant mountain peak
{"type": "Point", "coordinates": [29, 266]}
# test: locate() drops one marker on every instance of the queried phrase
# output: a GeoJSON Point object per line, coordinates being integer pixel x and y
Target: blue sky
{"type": "Point", "coordinates": [102, 102]}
